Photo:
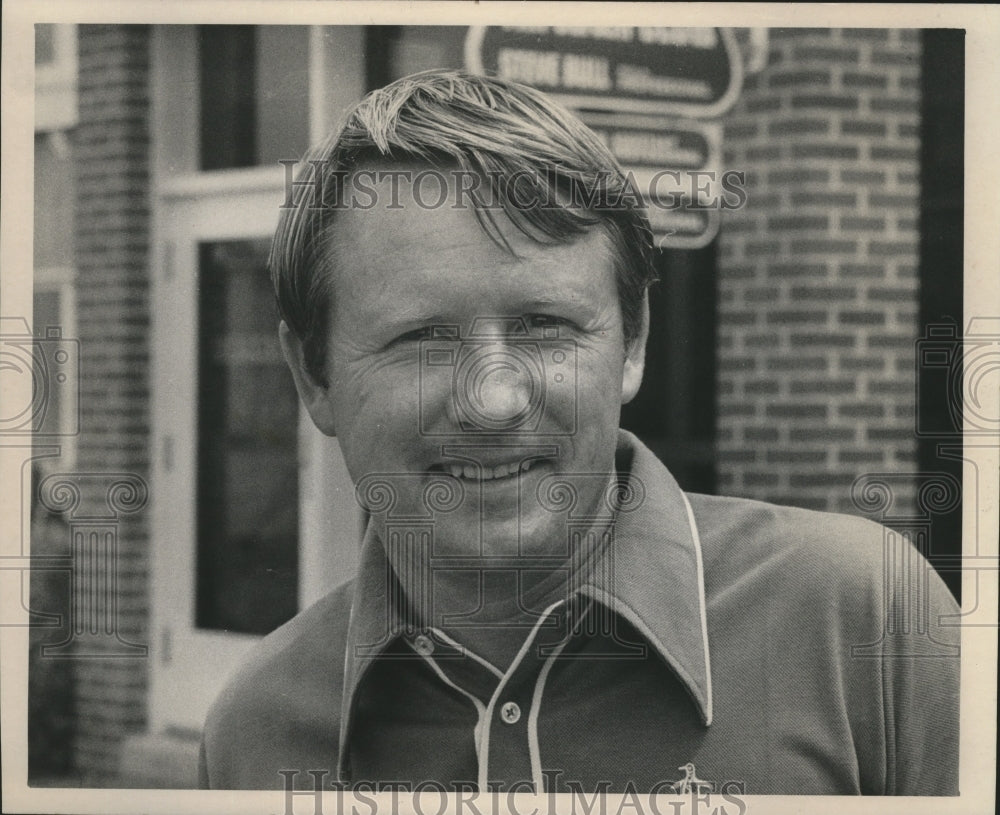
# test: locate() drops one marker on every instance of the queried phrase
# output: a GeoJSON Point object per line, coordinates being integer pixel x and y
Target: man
{"type": "Point", "coordinates": [462, 285]}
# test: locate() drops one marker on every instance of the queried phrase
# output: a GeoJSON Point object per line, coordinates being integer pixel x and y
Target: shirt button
{"type": "Point", "coordinates": [423, 645]}
{"type": "Point", "coordinates": [510, 713]}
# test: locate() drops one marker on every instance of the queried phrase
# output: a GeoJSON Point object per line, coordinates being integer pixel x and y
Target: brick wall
{"type": "Point", "coordinates": [111, 149]}
{"type": "Point", "coordinates": [818, 286]}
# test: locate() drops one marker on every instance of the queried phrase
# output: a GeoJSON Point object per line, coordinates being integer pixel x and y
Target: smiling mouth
{"type": "Point", "coordinates": [472, 472]}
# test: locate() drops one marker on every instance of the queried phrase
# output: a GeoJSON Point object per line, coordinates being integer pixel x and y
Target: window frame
{"type": "Point", "coordinates": [189, 666]}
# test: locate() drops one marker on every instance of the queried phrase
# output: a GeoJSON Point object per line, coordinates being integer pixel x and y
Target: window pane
{"type": "Point", "coordinates": [254, 92]}
{"type": "Point", "coordinates": [282, 93]}
{"type": "Point", "coordinates": [226, 63]}
{"type": "Point", "coordinates": [247, 448]}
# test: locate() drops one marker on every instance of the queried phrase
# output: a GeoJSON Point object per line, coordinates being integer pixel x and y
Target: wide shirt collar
{"type": "Point", "coordinates": [652, 575]}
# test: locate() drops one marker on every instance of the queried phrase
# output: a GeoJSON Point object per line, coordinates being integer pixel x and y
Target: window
{"type": "Point", "coordinates": [253, 83]}
{"type": "Point", "coordinates": [253, 514]}
{"type": "Point", "coordinates": [247, 447]}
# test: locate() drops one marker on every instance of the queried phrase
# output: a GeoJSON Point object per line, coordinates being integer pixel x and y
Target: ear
{"type": "Point", "coordinates": [314, 395]}
{"type": "Point", "coordinates": [635, 356]}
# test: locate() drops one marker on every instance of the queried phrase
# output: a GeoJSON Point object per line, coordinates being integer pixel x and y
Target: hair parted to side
{"type": "Point", "coordinates": [523, 146]}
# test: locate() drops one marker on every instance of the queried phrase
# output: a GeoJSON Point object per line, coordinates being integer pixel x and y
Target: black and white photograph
{"type": "Point", "coordinates": [499, 407]}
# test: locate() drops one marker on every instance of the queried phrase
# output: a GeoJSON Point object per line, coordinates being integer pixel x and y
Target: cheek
{"type": "Point", "coordinates": [599, 382]}
{"type": "Point", "coordinates": [375, 404]}
{"type": "Point", "coordinates": [599, 373]}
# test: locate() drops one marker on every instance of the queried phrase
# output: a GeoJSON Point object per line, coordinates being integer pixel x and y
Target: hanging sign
{"type": "Point", "coordinates": [663, 71]}
{"type": "Point", "coordinates": [676, 170]}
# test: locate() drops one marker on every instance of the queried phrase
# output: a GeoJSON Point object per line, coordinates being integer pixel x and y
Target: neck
{"type": "Point", "coordinates": [492, 610]}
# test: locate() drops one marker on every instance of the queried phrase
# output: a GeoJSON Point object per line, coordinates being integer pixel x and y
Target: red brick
{"type": "Point", "coordinates": [798, 175]}
{"type": "Point", "coordinates": [763, 387]}
{"type": "Point", "coordinates": [861, 318]}
{"type": "Point", "coordinates": [761, 434]}
{"type": "Point", "coordinates": [882, 153]}
{"type": "Point", "coordinates": [826, 246]}
{"type": "Point", "coordinates": [798, 126]}
{"type": "Point", "coordinates": [861, 223]}
{"type": "Point", "coordinates": [855, 79]}
{"type": "Point", "coordinates": [860, 456]}
{"type": "Point", "coordinates": [787, 270]}
{"type": "Point", "coordinates": [796, 363]}
{"type": "Point", "coordinates": [822, 386]}
{"type": "Point", "coordinates": [817, 101]}
{"type": "Point", "coordinates": [862, 177]}
{"type": "Point", "coordinates": [884, 56]}
{"type": "Point", "coordinates": [796, 456]}
{"type": "Point", "coordinates": [856, 127]}
{"type": "Point", "coordinates": [795, 317]}
{"type": "Point", "coordinates": [825, 199]}
{"type": "Point", "coordinates": [861, 411]}
{"type": "Point", "coordinates": [891, 105]}
{"type": "Point", "coordinates": [845, 151]}
{"type": "Point", "coordinates": [809, 79]}
{"type": "Point", "coordinates": [834, 55]}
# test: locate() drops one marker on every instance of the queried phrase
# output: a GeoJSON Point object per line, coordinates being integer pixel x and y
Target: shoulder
{"type": "Point", "coordinates": [799, 557]}
{"type": "Point", "coordinates": [288, 690]}
{"type": "Point", "coordinates": [837, 609]}
{"type": "Point", "coordinates": [805, 555]}
{"type": "Point", "coordinates": [737, 532]}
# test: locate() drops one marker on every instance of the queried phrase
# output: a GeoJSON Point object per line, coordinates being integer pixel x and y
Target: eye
{"type": "Point", "coordinates": [416, 335]}
{"type": "Point", "coordinates": [539, 322]}
{"type": "Point", "coordinates": [431, 331]}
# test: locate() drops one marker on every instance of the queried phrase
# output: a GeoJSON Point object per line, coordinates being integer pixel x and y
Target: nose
{"type": "Point", "coordinates": [501, 390]}
{"type": "Point", "coordinates": [498, 387]}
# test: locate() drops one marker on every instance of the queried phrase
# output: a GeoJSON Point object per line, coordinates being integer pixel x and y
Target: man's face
{"type": "Point", "coordinates": [495, 412]}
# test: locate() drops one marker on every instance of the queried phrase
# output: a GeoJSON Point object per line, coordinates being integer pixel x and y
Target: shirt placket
{"type": "Point", "coordinates": [509, 757]}
{"type": "Point", "coordinates": [507, 703]}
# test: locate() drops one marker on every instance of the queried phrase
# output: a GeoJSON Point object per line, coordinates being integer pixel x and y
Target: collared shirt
{"type": "Point", "coordinates": [757, 648]}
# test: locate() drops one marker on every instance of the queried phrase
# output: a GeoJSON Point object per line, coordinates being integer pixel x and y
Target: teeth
{"type": "Point", "coordinates": [473, 473]}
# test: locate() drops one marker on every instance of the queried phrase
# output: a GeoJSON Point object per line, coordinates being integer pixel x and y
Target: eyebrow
{"type": "Point", "coordinates": [413, 319]}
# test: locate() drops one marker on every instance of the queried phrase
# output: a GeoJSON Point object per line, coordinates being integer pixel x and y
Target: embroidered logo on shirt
{"type": "Point", "coordinates": [690, 782]}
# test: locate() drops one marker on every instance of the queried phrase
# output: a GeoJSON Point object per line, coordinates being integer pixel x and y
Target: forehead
{"type": "Point", "coordinates": [410, 233]}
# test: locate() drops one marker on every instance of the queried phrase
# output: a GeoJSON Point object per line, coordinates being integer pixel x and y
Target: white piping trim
{"type": "Point", "coordinates": [484, 752]}
{"type": "Point", "coordinates": [469, 653]}
{"type": "Point", "coordinates": [701, 607]}
{"type": "Point", "coordinates": [536, 703]}
{"type": "Point", "coordinates": [346, 700]}
{"type": "Point", "coordinates": [480, 707]}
